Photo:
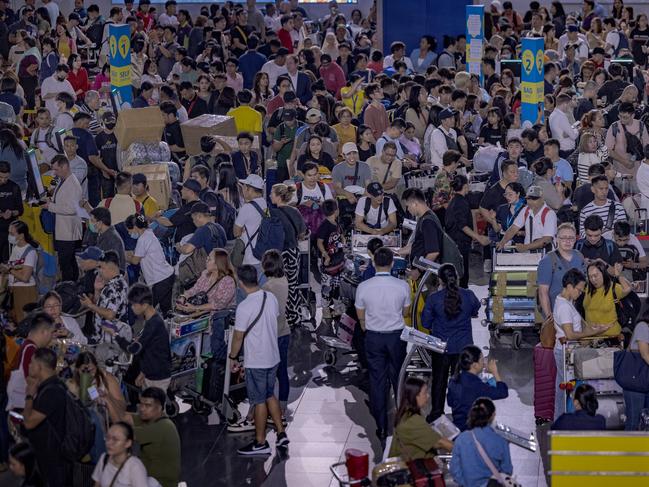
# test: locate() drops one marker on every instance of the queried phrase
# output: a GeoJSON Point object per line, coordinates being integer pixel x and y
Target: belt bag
{"type": "Point", "coordinates": [594, 363]}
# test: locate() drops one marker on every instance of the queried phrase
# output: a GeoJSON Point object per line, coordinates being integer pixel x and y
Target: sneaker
{"type": "Point", "coordinates": [486, 266]}
{"type": "Point", "coordinates": [282, 440]}
{"type": "Point", "coordinates": [255, 449]}
{"type": "Point", "coordinates": [270, 422]}
{"type": "Point", "coordinates": [241, 427]}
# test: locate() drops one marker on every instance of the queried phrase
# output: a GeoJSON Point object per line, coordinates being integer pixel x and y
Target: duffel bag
{"type": "Point", "coordinates": [594, 363]}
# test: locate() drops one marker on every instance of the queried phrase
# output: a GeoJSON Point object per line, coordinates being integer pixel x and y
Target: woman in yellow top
{"type": "Point", "coordinates": [345, 130]}
{"type": "Point", "coordinates": [414, 438]}
{"type": "Point", "coordinates": [599, 299]}
{"type": "Point", "coordinates": [353, 95]}
{"type": "Point", "coordinates": [65, 44]}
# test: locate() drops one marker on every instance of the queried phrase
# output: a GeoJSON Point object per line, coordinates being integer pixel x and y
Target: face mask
{"type": "Point", "coordinates": [134, 235]}
{"type": "Point", "coordinates": [12, 239]}
{"type": "Point", "coordinates": [92, 227]}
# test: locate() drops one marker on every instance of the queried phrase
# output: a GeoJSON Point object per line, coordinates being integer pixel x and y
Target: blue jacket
{"type": "Point", "coordinates": [240, 167]}
{"type": "Point", "coordinates": [467, 466]}
{"type": "Point", "coordinates": [464, 390]}
{"type": "Point", "coordinates": [579, 421]}
{"type": "Point", "coordinates": [455, 331]}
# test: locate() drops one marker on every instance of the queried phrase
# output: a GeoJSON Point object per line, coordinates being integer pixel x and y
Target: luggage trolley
{"type": "Point", "coordinates": [511, 305]}
{"type": "Point", "coordinates": [590, 361]}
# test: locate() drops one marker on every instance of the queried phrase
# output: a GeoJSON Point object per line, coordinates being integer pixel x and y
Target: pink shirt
{"type": "Point", "coordinates": [221, 296]}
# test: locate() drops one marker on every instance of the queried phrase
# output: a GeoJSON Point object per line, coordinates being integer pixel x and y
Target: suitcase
{"type": "Point", "coordinates": [426, 473]}
{"type": "Point", "coordinates": [519, 284]}
{"type": "Point", "coordinates": [545, 373]}
{"type": "Point", "coordinates": [594, 363]}
{"type": "Point", "coordinates": [518, 310]}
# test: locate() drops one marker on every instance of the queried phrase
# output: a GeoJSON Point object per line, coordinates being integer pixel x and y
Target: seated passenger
{"type": "Point", "coordinates": [413, 437]}
{"type": "Point", "coordinates": [585, 416]}
{"type": "Point", "coordinates": [65, 326]}
{"type": "Point", "coordinates": [468, 465]}
{"type": "Point", "coordinates": [466, 385]}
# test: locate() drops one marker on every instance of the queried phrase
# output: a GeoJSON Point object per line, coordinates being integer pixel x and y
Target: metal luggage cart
{"type": "Point", "coordinates": [609, 392]}
{"type": "Point", "coordinates": [508, 318]}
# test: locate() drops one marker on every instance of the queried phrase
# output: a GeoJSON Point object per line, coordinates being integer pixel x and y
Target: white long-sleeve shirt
{"type": "Point", "coordinates": [562, 130]}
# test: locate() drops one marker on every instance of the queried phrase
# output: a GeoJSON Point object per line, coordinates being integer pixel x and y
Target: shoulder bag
{"type": "Point", "coordinates": [256, 320]}
{"type": "Point", "coordinates": [631, 372]}
{"type": "Point", "coordinates": [497, 477]}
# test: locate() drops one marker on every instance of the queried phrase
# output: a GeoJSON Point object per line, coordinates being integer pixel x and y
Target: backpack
{"type": "Point", "coordinates": [225, 216]}
{"type": "Point", "coordinates": [69, 292]}
{"type": "Point", "coordinates": [633, 142]}
{"type": "Point", "coordinates": [189, 270]}
{"type": "Point", "coordinates": [45, 270]}
{"type": "Point", "coordinates": [579, 245]}
{"type": "Point", "coordinates": [48, 139]}
{"type": "Point", "coordinates": [270, 234]}
{"type": "Point", "coordinates": [385, 205]}
{"type": "Point", "coordinates": [623, 43]}
{"type": "Point", "coordinates": [79, 435]}
{"type": "Point", "coordinates": [450, 253]}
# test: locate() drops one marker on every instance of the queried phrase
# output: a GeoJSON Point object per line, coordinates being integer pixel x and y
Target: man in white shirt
{"type": "Point", "coordinates": [55, 84]}
{"type": "Point", "coordinates": [572, 36]}
{"type": "Point", "coordinates": [248, 220]}
{"type": "Point", "coordinates": [42, 137]}
{"type": "Point", "coordinates": [613, 37]}
{"type": "Point", "coordinates": [381, 303]}
{"type": "Point", "coordinates": [642, 180]}
{"type": "Point", "coordinates": [375, 214]}
{"type": "Point", "coordinates": [169, 16]}
{"type": "Point", "coordinates": [276, 67]}
{"type": "Point", "coordinates": [560, 125]}
{"type": "Point", "coordinates": [78, 166]}
{"type": "Point", "coordinates": [256, 321]}
{"type": "Point", "coordinates": [444, 137]}
{"type": "Point", "coordinates": [271, 19]}
{"type": "Point", "coordinates": [538, 220]}
{"type": "Point", "coordinates": [398, 53]}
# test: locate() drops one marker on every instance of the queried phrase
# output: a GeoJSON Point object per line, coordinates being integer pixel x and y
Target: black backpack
{"type": "Point", "coordinates": [69, 292]}
{"type": "Point", "coordinates": [79, 435]}
{"type": "Point", "coordinates": [385, 205]}
{"type": "Point", "coordinates": [270, 234]}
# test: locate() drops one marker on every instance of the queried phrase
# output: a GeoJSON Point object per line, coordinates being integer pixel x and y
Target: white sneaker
{"type": "Point", "coordinates": [242, 426]}
{"type": "Point", "coordinates": [486, 266]}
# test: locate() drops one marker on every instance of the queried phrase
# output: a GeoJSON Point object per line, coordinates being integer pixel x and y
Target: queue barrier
{"type": "Point", "coordinates": [599, 458]}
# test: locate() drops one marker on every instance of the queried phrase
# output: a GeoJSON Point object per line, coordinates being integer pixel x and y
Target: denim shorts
{"type": "Point", "coordinates": [260, 384]}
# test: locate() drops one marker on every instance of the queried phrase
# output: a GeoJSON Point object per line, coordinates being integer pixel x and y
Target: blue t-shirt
{"type": "Point", "coordinates": [564, 171]}
{"type": "Point", "coordinates": [86, 145]}
{"type": "Point", "coordinates": [209, 237]}
{"type": "Point", "coordinates": [553, 267]}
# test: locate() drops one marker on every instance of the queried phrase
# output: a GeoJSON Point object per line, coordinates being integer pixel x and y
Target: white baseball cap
{"type": "Point", "coordinates": [349, 147]}
{"type": "Point", "coordinates": [253, 181]}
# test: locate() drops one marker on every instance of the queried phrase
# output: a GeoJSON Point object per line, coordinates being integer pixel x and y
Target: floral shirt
{"type": "Point", "coordinates": [113, 296]}
{"type": "Point", "coordinates": [221, 296]}
{"type": "Point", "coordinates": [442, 189]}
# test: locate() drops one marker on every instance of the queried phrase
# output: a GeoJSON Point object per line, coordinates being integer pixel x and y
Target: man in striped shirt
{"type": "Point", "coordinates": [608, 210]}
{"type": "Point", "coordinates": [90, 105]}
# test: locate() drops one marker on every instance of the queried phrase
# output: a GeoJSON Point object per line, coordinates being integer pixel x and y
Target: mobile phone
{"type": "Point", "coordinates": [93, 393]}
{"type": "Point", "coordinates": [109, 324]}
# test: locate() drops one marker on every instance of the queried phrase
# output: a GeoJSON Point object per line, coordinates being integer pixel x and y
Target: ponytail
{"type": "Point", "coordinates": [586, 396]}
{"type": "Point", "coordinates": [468, 356]}
{"type": "Point", "coordinates": [453, 299]}
{"type": "Point", "coordinates": [480, 413]}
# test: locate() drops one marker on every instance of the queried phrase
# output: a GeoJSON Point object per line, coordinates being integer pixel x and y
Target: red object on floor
{"type": "Point", "coordinates": [358, 465]}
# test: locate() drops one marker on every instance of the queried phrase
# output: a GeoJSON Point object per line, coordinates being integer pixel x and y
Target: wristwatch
{"type": "Point", "coordinates": [233, 358]}
{"type": "Point", "coordinates": [29, 397]}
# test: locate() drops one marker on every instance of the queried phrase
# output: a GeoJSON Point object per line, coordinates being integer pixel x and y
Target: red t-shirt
{"type": "Point", "coordinates": [285, 39]}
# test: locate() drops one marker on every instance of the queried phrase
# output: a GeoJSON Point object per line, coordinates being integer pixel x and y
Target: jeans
{"type": "Point", "coordinates": [282, 371]}
{"type": "Point", "coordinates": [65, 250]}
{"type": "Point", "coordinates": [107, 187]}
{"type": "Point", "coordinates": [560, 396]}
{"type": "Point", "coordinates": [94, 189]}
{"type": "Point", "coordinates": [385, 355]}
{"type": "Point", "coordinates": [634, 403]}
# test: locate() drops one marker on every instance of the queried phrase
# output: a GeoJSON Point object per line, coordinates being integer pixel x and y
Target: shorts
{"type": "Point", "coordinates": [260, 384]}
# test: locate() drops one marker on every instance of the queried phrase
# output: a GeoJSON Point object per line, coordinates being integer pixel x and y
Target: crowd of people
{"type": "Point", "coordinates": [351, 131]}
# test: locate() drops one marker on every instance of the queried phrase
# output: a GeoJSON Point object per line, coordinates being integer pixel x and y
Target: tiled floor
{"type": "Point", "coordinates": [329, 415]}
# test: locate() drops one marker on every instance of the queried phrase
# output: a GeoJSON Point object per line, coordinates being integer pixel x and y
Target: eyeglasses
{"type": "Point", "coordinates": [568, 239]}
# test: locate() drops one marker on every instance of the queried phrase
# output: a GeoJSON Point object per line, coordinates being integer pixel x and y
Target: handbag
{"type": "Point", "coordinates": [631, 371]}
{"type": "Point", "coordinates": [548, 333]}
{"type": "Point", "coordinates": [48, 221]}
{"type": "Point", "coordinates": [497, 477]}
{"type": "Point", "coordinates": [335, 265]}
{"type": "Point", "coordinates": [201, 298]}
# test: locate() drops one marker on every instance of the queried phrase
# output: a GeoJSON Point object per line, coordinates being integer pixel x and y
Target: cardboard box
{"type": "Point", "coordinates": [139, 125]}
{"type": "Point", "coordinates": [195, 128]}
{"type": "Point", "coordinates": [157, 176]}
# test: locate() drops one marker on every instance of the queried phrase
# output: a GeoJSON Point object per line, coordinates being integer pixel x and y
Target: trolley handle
{"type": "Point", "coordinates": [426, 265]}
{"type": "Point", "coordinates": [343, 480]}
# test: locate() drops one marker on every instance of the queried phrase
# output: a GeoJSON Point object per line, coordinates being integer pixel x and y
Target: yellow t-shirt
{"type": "Point", "coordinates": [355, 102]}
{"type": "Point", "coordinates": [600, 309]}
{"type": "Point", "coordinates": [246, 119]}
{"type": "Point", "coordinates": [345, 134]}
{"type": "Point", "coordinates": [149, 203]}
